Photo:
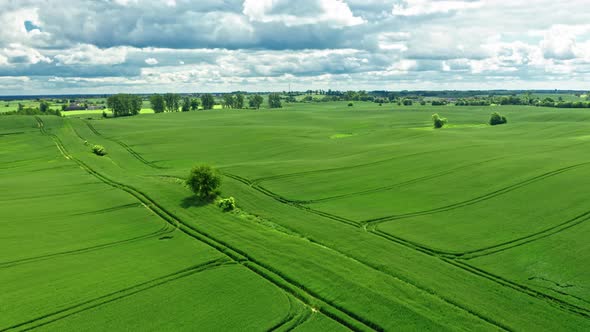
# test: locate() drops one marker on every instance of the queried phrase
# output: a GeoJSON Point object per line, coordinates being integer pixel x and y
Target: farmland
{"type": "Point", "coordinates": [358, 217]}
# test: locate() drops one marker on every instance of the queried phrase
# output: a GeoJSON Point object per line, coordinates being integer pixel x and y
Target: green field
{"type": "Point", "coordinates": [350, 218]}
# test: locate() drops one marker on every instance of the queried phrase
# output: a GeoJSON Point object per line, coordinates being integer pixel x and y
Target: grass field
{"type": "Point", "coordinates": [350, 218]}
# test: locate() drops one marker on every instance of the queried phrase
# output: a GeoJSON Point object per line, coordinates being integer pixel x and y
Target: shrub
{"type": "Point", "coordinates": [99, 150]}
{"type": "Point", "coordinates": [204, 181]}
{"type": "Point", "coordinates": [350, 104]}
{"type": "Point", "coordinates": [438, 121]}
{"type": "Point", "coordinates": [227, 204]}
{"type": "Point", "coordinates": [497, 119]}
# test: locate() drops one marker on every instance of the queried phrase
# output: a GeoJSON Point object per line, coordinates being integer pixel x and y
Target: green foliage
{"type": "Point", "coordinates": [438, 121]}
{"type": "Point", "coordinates": [124, 104]}
{"type": "Point", "coordinates": [350, 104]}
{"type": "Point", "coordinates": [239, 101]}
{"type": "Point", "coordinates": [255, 101]}
{"type": "Point", "coordinates": [194, 104]}
{"type": "Point", "coordinates": [497, 119]}
{"type": "Point", "coordinates": [172, 102]}
{"type": "Point", "coordinates": [99, 150]}
{"type": "Point", "coordinates": [274, 100]}
{"type": "Point", "coordinates": [204, 181]}
{"type": "Point", "coordinates": [208, 101]}
{"type": "Point", "coordinates": [44, 106]}
{"type": "Point", "coordinates": [186, 104]}
{"type": "Point", "coordinates": [157, 102]}
{"type": "Point", "coordinates": [227, 204]}
{"type": "Point", "coordinates": [228, 101]}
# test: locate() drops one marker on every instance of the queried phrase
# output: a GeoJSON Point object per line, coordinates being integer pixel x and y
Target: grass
{"type": "Point", "coordinates": [350, 218]}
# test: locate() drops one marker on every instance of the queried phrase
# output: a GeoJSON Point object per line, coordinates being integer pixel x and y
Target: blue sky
{"type": "Point", "coordinates": [107, 46]}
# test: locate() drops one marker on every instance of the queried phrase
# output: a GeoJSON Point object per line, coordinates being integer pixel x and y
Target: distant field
{"type": "Point", "coordinates": [361, 218]}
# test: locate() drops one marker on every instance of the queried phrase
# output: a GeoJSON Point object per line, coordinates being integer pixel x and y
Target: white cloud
{"type": "Point", "coordinates": [151, 61]}
{"type": "Point", "coordinates": [428, 7]}
{"type": "Point", "coordinates": [92, 55]}
{"type": "Point", "coordinates": [335, 13]}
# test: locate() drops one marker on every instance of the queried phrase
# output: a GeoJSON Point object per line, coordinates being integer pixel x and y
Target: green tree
{"type": "Point", "coordinates": [44, 106]}
{"type": "Point", "coordinates": [186, 104]}
{"type": "Point", "coordinates": [255, 101]}
{"type": "Point", "coordinates": [274, 100]}
{"type": "Point", "coordinates": [204, 181]}
{"type": "Point", "coordinates": [228, 101]}
{"type": "Point", "coordinates": [438, 121]}
{"type": "Point", "coordinates": [124, 104]}
{"type": "Point", "coordinates": [208, 101]}
{"type": "Point", "coordinates": [239, 101]}
{"type": "Point", "coordinates": [194, 104]}
{"type": "Point", "coordinates": [172, 102]}
{"type": "Point", "coordinates": [158, 104]}
{"type": "Point", "coordinates": [497, 119]}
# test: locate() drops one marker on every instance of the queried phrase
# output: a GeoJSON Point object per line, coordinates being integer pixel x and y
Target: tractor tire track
{"type": "Point", "coordinates": [115, 296]}
{"type": "Point", "coordinates": [124, 146]}
{"type": "Point", "coordinates": [475, 200]}
{"type": "Point", "coordinates": [526, 239]}
{"type": "Point", "coordinates": [447, 257]}
{"type": "Point", "coordinates": [342, 168]}
{"type": "Point", "coordinates": [336, 312]}
{"type": "Point", "coordinates": [163, 231]}
{"type": "Point", "coordinates": [393, 186]}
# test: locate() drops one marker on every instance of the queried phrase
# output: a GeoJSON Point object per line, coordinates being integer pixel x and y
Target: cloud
{"type": "Point", "coordinates": [225, 45]}
{"type": "Point", "coordinates": [335, 13]}
{"type": "Point", "coordinates": [429, 7]}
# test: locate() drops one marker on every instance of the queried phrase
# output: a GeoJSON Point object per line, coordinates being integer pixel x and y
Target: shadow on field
{"type": "Point", "coordinates": [194, 201]}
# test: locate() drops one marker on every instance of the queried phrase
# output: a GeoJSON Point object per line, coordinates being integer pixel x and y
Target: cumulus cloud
{"type": "Point", "coordinates": [336, 13]}
{"type": "Point", "coordinates": [224, 45]}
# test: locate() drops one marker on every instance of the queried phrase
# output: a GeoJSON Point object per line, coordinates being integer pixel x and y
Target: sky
{"type": "Point", "coordinates": [145, 46]}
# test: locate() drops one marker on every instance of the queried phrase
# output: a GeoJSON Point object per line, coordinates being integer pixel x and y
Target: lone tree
{"type": "Point", "coordinates": [255, 101]}
{"type": "Point", "coordinates": [124, 104]}
{"type": "Point", "coordinates": [157, 102]}
{"type": "Point", "coordinates": [172, 102]}
{"type": "Point", "coordinates": [204, 181]}
{"type": "Point", "coordinates": [228, 101]}
{"type": "Point", "coordinates": [44, 106]}
{"type": "Point", "coordinates": [208, 101]}
{"type": "Point", "coordinates": [438, 121]}
{"type": "Point", "coordinates": [274, 100]}
{"type": "Point", "coordinates": [497, 119]}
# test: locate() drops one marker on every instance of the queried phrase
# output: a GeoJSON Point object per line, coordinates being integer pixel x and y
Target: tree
{"type": "Point", "coordinates": [274, 100]}
{"type": "Point", "coordinates": [255, 101]}
{"type": "Point", "coordinates": [172, 102]}
{"type": "Point", "coordinates": [44, 106]}
{"type": "Point", "coordinates": [497, 119]}
{"type": "Point", "coordinates": [438, 121]}
{"type": "Point", "coordinates": [208, 101]}
{"type": "Point", "coordinates": [157, 102]}
{"type": "Point", "coordinates": [124, 105]}
{"type": "Point", "coordinates": [239, 101]}
{"type": "Point", "coordinates": [186, 104]}
{"type": "Point", "coordinates": [194, 104]}
{"type": "Point", "coordinates": [204, 181]}
{"type": "Point", "coordinates": [228, 101]}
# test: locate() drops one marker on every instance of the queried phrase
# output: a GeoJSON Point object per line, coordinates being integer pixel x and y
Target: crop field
{"type": "Point", "coordinates": [357, 218]}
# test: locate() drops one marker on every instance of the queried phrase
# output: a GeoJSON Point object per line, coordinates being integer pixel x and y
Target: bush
{"type": "Point", "coordinates": [99, 150]}
{"type": "Point", "coordinates": [204, 181]}
{"type": "Point", "coordinates": [227, 204]}
{"type": "Point", "coordinates": [350, 104]}
{"type": "Point", "coordinates": [438, 121]}
{"type": "Point", "coordinates": [497, 119]}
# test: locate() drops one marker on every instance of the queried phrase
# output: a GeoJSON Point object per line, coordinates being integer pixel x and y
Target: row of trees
{"type": "Point", "coordinates": [172, 102]}
{"type": "Point", "coordinates": [124, 104]}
